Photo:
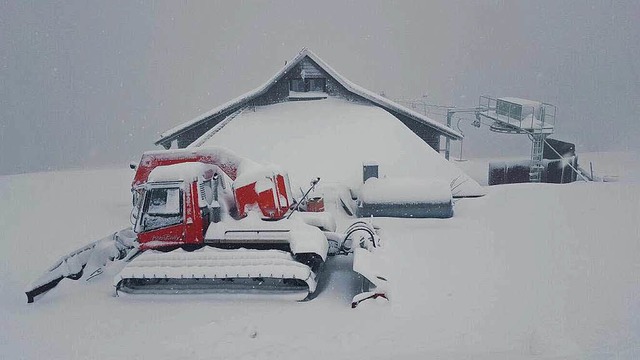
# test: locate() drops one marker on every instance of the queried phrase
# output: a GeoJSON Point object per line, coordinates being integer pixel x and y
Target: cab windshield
{"type": "Point", "coordinates": [162, 207]}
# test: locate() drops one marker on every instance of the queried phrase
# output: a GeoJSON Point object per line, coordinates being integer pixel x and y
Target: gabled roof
{"type": "Point", "coordinates": [350, 86]}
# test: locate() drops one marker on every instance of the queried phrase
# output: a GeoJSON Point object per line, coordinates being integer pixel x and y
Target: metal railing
{"type": "Point", "coordinates": [518, 118]}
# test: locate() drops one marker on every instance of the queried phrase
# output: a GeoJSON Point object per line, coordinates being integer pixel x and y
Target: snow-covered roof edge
{"type": "Point", "coordinates": [350, 86]}
{"type": "Point", "coordinates": [240, 99]}
{"type": "Point", "coordinates": [380, 100]}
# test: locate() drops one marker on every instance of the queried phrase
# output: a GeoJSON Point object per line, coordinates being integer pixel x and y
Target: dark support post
{"type": "Point", "coordinates": [447, 149]}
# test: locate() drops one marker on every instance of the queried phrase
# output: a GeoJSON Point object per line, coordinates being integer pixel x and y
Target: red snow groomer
{"type": "Point", "coordinates": [208, 221]}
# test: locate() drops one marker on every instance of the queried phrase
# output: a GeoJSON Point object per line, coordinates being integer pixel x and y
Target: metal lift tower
{"type": "Point", "coordinates": [519, 116]}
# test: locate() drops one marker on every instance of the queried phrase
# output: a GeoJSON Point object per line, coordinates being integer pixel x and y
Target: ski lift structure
{"type": "Point", "coordinates": [510, 115]}
{"type": "Point", "coordinates": [507, 115]}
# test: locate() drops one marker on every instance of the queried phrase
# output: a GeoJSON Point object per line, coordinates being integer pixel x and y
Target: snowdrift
{"type": "Point", "coordinates": [332, 138]}
{"type": "Point", "coordinates": [530, 271]}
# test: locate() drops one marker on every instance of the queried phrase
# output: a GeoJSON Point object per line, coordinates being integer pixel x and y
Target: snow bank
{"type": "Point", "coordinates": [619, 165]}
{"type": "Point", "coordinates": [530, 271]}
{"type": "Point", "coordinates": [332, 138]}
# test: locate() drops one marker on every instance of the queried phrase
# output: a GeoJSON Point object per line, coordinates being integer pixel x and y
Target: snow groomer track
{"type": "Point", "coordinates": [217, 271]}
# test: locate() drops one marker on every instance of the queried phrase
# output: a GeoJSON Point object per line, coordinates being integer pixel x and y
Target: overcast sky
{"type": "Point", "coordinates": [93, 83]}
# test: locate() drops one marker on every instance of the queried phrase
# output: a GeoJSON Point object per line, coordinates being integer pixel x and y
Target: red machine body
{"type": "Point", "coordinates": [184, 210]}
{"type": "Point", "coordinates": [270, 194]}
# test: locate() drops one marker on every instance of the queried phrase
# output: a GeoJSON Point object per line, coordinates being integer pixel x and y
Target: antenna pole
{"type": "Point", "coordinates": [447, 149]}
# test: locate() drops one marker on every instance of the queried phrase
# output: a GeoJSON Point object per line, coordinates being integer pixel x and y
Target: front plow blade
{"type": "Point", "coordinates": [91, 257]}
{"type": "Point", "coordinates": [374, 282]}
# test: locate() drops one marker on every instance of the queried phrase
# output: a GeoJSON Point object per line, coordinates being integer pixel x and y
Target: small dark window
{"type": "Point", "coordinates": [305, 85]}
{"type": "Point", "coordinates": [317, 84]}
{"type": "Point", "coordinates": [297, 85]}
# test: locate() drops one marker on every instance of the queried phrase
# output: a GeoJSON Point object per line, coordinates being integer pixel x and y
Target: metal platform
{"type": "Point", "coordinates": [519, 116]}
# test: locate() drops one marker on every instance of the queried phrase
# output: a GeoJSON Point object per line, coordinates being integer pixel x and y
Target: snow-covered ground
{"type": "Point", "coordinates": [610, 166]}
{"type": "Point", "coordinates": [527, 271]}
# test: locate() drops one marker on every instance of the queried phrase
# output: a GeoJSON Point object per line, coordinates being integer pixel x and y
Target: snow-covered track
{"type": "Point", "coordinates": [218, 271]}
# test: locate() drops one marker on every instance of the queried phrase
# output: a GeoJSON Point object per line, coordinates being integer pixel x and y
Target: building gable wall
{"type": "Point", "coordinates": [279, 91]}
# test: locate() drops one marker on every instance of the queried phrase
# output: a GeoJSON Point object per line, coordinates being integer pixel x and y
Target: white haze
{"type": "Point", "coordinates": [88, 84]}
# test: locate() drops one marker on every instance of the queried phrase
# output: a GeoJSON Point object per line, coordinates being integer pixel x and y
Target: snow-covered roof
{"type": "Point", "coordinates": [350, 86]}
{"type": "Point", "coordinates": [405, 190]}
{"type": "Point", "coordinates": [522, 102]}
{"type": "Point", "coordinates": [179, 172]}
{"type": "Point", "coordinates": [331, 139]}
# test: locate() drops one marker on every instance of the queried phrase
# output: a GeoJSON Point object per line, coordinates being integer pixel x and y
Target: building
{"type": "Point", "coordinates": [305, 77]}
{"type": "Point", "coordinates": [315, 123]}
